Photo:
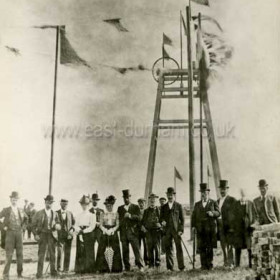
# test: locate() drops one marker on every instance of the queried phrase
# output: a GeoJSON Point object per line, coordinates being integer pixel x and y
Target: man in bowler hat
{"type": "Point", "coordinates": [65, 236]}
{"type": "Point", "coordinates": [96, 233]}
{"type": "Point", "coordinates": [267, 207]}
{"type": "Point", "coordinates": [172, 220]}
{"type": "Point", "coordinates": [14, 219]}
{"type": "Point", "coordinates": [204, 216]}
{"type": "Point", "coordinates": [129, 218]}
{"type": "Point", "coordinates": [44, 227]}
{"type": "Point", "coordinates": [226, 223]}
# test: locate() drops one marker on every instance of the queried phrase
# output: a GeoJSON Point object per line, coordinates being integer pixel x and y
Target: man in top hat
{"type": "Point", "coordinates": [97, 233]}
{"type": "Point", "coordinates": [267, 207]}
{"type": "Point", "coordinates": [44, 227]}
{"type": "Point", "coordinates": [142, 235]}
{"type": "Point", "coordinates": [152, 228]}
{"type": "Point", "coordinates": [172, 220]}
{"type": "Point", "coordinates": [204, 216]}
{"type": "Point", "coordinates": [129, 218]}
{"type": "Point", "coordinates": [14, 219]}
{"type": "Point", "coordinates": [226, 223]}
{"type": "Point", "coordinates": [65, 236]}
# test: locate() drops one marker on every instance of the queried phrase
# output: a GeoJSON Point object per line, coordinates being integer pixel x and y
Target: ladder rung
{"type": "Point", "coordinates": [177, 79]}
{"type": "Point", "coordinates": [178, 72]}
{"type": "Point", "coordinates": [178, 121]}
{"type": "Point", "coordinates": [171, 96]}
{"type": "Point", "coordinates": [176, 89]}
{"type": "Point", "coordinates": [177, 126]}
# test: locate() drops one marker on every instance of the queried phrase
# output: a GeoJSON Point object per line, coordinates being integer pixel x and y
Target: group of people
{"type": "Point", "coordinates": [231, 221]}
{"type": "Point", "coordinates": [156, 228]}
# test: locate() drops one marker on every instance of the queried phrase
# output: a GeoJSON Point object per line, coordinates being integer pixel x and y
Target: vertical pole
{"type": "Point", "coordinates": [190, 113]}
{"type": "Point", "coordinates": [162, 55]}
{"type": "Point", "coordinates": [175, 188]}
{"type": "Point", "coordinates": [54, 109]}
{"type": "Point", "coordinates": [200, 109]}
{"type": "Point", "coordinates": [181, 50]}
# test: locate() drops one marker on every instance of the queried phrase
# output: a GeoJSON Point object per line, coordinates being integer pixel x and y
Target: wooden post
{"type": "Point", "coordinates": [53, 111]}
{"type": "Point", "coordinates": [175, 187]}
{"type": "Point", "coordinates": [190, 113]}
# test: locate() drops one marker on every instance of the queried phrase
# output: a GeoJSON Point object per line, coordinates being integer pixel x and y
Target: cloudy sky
{"type": "Point", "coordinates": [104, 107]}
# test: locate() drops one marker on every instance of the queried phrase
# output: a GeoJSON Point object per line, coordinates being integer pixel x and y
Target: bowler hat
{"type": "Point", "coordinates": [85, 200]}
{"type": "Point", "coordinates": [163, 198]}
{"type": "Point", "coordinates": [63, 200]}
{"type": "Point", "coordinates": [126, 193]}
{"type": "Point", "coordinates": [95, 196]}
{"type": "Point", "coordinates": [263, 183]}
{"type": "Point", "coordinates": [203, 187]}
{"type": "Point", "coordinates": [152, 195]}
{"type": "Point", "coordinates": [141, 199]}
{"type": "Point", "coordinates": [110, 200]}
{"type": "Point", "coordinates": [49, 198]}
{"type": "Point", "coordinates": [14, 195]}
{"type": "Point", "coordinates": [170, 190]}
{"type": "Point", "coordinates": [223, 184]}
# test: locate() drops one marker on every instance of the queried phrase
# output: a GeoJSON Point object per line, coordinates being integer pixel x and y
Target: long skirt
{"type": "Point", "coordinates": [101, 262]}
{"type": "Point", "coordinates": [85, 254]}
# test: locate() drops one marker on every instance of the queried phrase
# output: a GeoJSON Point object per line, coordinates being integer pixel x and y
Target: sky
{"type": "Point", "coordinates": [104, 107]}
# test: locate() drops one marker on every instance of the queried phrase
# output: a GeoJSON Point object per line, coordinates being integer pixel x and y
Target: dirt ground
{"type": "Point", "coordinates": [219, 272]}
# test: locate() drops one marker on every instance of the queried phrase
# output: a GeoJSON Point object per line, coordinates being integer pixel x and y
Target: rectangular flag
{"type": "Point", "coordinates": [177, 174]}
{"type": "Point", "coordinates": [166, 40]}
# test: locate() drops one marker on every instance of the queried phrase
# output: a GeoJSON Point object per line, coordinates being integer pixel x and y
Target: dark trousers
{"type": "Point", "coordinates": [206, 258]}
{"type": "Point", "coordinates": [170, 236]}
{"type": "Point", "coordinates": [13, 241]}
{"type": "Point", "coordinates": [46, 241]}
{"type": "Point", "coordinates": [142, 240]}
{"type": "Point", "coordinates": [132, 239]}
{"type": "Point", "coordinates": [64, 246]}
{"type": "Point", "coordinates": [238, 256]}
{"type": "Point", "coordinates": [153, 244]}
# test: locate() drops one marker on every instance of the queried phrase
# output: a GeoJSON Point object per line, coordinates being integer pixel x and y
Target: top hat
{"type": "Point", "coordinates": [95, 196]}
{"type": "Point", "coordinates": [204, 187]}
{"type": "Point", "coordinates": [141, 200]}
{"type": "Point", "coordinates": [63, 200]}
{"type": "Point", "coordinates": [223, 184]}
{"type": "Point", "coordinates": [49, 198]}
{"type": "Point", "coordinates": [162, 198]}
{"type": "Point", "coordinates": [170, 190]}
{"type": "Point", "coordinates": [85, 200]}
{"type": "Point", "coordinates": [14, 195]}
{"type": "Point", "coordinates": [110, 200]}
{"type": "Point", "coordinates": [152, 195]}
{"type": "Point", "coordinates": [263, 183]}
{"type": "Point", "coordinates": [126, 193]}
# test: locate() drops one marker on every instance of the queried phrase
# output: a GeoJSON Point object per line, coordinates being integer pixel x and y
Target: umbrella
{"type": "Point", "coordinates": [109, 254]}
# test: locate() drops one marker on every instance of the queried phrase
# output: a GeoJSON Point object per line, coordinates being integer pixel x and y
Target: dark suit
{"type": "Point", "coordinates": [48, 238]}
{"type": "Point", "coordinates": [129, 234]}
{"type": "Point", "coordinates": [267, 210]}
{"type": "Point", "coordinates": [226, 229]}
{"type": "Point", "coordinates": [174, 219]}
{"type": "Point", "coordinates": [206, 229]}
{"type": "Point", "coordinates": [65, 239]}
{"type": "Point", "coordinates": [12, 232]}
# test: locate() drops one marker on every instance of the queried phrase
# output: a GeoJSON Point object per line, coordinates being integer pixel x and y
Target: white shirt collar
{"type": "Point", "coordinates": [48, 211]}
{"type": "Point", "coordinates": [170, 204]}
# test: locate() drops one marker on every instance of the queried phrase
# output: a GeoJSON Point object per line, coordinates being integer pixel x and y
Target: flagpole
{"type": "Point", "coordinates": [200, 113]}
{"type": "Point", "coordinates": [175, 182]}
{"type": "Point", "coordinates": [181, 49]}
{"type": "Point", "coordinates": [54, 109]}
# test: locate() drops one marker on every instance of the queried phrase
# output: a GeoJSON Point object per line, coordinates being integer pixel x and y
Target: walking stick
{"type": "Point", "coordinates": [187, 250]}
{"type": "Point", "coordinates": [194, 247]}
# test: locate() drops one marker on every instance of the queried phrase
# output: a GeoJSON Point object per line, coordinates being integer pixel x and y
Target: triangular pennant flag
{"type": "Point", "coordinates": [202, 2]}
{"type": "Point", "coordinates": [166, 40]}
{"type": "Point", "coordinates": [116, 22]}
{"type": "Point", "coordinates": [177, 174]}
{"type": "Point", "coordinates": [164, 53]}
{"type": "Point", "coordinates": [184, 25]}
{"type": "Point", "coordinates": [15, 51]}
{"type": "Point", "coordinates": [67, 54]}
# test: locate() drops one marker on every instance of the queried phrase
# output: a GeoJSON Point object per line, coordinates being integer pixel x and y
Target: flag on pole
{"type": "Point", "coordinates": [202, 2]}
{"type": "Point", "coordinates": [184, 24]}
{"type": "Point", "coordinates": [211, 19]}
{"type": "Point", "coordinates": [164, 53]}
{"type": "Point", "coordinates": [166, 40]}
{"type": "Point", "coordinates": [67, 54]}
{"type": "Point", "coordinates": [177, 174]}
{"type": "Point", "coordinates": [116, 22]}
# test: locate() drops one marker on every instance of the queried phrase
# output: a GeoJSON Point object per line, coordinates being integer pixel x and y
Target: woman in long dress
{"type": "Point", "coordinates": [85, 224]}
{"type": "Point", "coordinates": [109, 224]}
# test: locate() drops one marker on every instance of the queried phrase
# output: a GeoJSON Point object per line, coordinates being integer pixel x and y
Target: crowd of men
{"type": "Point", "coordinates": [155, 228]}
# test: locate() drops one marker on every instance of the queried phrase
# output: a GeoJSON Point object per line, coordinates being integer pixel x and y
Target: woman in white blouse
{"type": "Point", "coordinates": [85, 224]}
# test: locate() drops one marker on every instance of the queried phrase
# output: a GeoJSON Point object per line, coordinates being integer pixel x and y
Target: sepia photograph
{"type": "Point", "coordinates": [140, 139]}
